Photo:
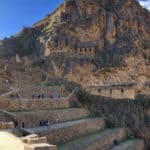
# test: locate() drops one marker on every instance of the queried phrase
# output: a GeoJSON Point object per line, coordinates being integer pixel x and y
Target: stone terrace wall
{"type": "Point", "coordinates": [126, 113]}
{"type": "Point", "coordinates": [35, 104]}
{"type": "Point", "coordinates": [17, 105]}
{"type": "Point", "coordinates": [6, 116]}
{"type": "Point", "coordinates": [3, 117]}
{"type": "Point", "coordinates": [33, 118]}
{"type": "Point", "coordinates": [113, 92]}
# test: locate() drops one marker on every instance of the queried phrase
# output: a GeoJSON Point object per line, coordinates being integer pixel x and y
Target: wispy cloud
{"type": "Point", "coordinates": [145, 3]}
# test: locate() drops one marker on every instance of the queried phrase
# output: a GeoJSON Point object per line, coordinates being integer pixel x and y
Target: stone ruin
{"type": "Point", "coordinates": [83, 48]}
{"type": "Point", "coordinates": [34, 142]}
{"type": "Point", "coordinates": [69, 126]}
{"type": "Point", "coordinates": [115, 91]}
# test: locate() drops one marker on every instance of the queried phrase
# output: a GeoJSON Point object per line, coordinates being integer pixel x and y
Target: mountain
{"type": "Point", "coordinates": [91, 42]}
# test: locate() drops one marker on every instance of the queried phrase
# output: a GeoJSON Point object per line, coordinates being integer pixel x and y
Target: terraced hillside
{"type": "Point", "coordinates": [70, 128]}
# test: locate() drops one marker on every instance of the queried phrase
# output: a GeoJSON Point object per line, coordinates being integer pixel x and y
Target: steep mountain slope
{"type": "Point", "coordinates": [92, 42]}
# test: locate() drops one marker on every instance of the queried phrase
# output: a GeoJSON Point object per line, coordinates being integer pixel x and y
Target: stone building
{"type": "Point", "coordinates": [83, 48]}
{"type": "Point", "coordinates": [55, 46]}
{"type": "Point", "coordinates": [86, 48]}
{"type": "Point", "coordinates": [115, 91]}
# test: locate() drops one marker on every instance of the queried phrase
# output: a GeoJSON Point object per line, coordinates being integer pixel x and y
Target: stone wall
{"type": "Point", "coordinates": [35, 104]}
{"type": "Point", "coordinates": [27, 92]}
{"type": "Point", "coordinates": [6, 116]}
{"type": "Point", "coordinates": [128, 113]}
{"type": "Point", "coordinates": [18, 105]}
{"type": "Point", "coordinates": [6, 125]}
{"type": "Point", "coordinates": [33, 142]}
{"type": "Point", "coordinates": [90, 51]}
{"type": "Point", "coordinates": [2, 117]}
{"type": "Point", "coordinates": [114, 92]}
{"type": "Point", "coordinates": [33, 118]}
{"type": "Point", "coordinates": [59, 135]}
{"type": "Point", "coordinates": [147, 112]}
{"type": "Point", "coordinates": [147, 116]}
{"type": "Point", "coordinates": [124, 113]}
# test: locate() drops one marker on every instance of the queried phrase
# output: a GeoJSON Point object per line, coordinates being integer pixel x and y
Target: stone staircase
{"type": "Point", "coordinates": [74, 129]}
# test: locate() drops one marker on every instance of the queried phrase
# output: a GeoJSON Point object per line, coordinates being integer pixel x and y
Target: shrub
{"type": "Point", "coordinates": [84, 97]}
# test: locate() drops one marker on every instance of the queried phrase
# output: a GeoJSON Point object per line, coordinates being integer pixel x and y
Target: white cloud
{"type": "Point", "coordinates": [145, 3]}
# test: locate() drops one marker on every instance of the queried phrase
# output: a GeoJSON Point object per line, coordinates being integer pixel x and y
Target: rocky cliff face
{"type": "Point", "coordinates": [106, 39]}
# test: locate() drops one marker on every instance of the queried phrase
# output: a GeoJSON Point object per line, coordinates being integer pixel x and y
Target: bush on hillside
{"type": "Point", "coordinates": [84, 97]}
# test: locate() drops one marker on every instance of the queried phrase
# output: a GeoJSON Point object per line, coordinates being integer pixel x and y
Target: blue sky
{"type": "Point", "coordinates": [145, 3]}
{"type": "Point", "coordinates": [14, 14]}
